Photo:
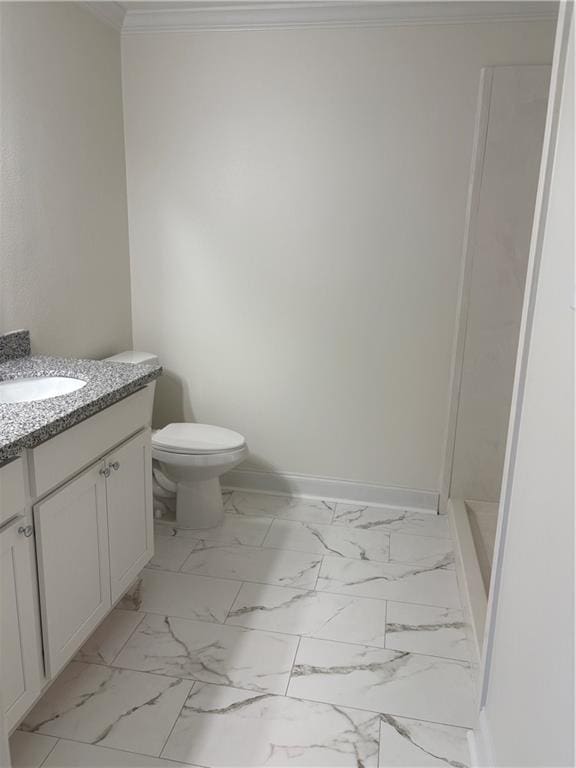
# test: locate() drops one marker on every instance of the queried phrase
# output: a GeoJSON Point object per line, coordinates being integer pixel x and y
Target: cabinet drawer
{"type": "Point", "coordinates": [12, 490]}
{"type": "Point", "coordinates": [64, 455]}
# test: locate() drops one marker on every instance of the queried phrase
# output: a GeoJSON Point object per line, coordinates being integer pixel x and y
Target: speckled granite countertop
{"type": "Point", "coordinates": [26, 425]}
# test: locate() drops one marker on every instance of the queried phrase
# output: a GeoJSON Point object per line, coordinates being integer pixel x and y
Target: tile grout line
{"type": "Point", "coordinates": [293, 665]}
{"type": "Point", "coordinates": [52, 748]}
{"type": "Point", "coordinates": [385, 624]}
{"type": "Point", "coordinates": [232, 605]}
{"type": "Point", "coordinates": [450, 568]}
{"type": "Point", "coordinates": [315, 588]}
{"type": "Point", "coordinates": [125, 643]}
{"type": "Point", "coordinates": [192, 687]}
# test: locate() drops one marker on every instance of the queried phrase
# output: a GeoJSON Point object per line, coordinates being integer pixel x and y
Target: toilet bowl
{"type": "Point", "coordinates": [193, 456]}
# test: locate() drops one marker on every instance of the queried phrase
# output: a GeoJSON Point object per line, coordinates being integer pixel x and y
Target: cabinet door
{"type": "Point", "coordinates": [73, 563]}
{"type": "Point", "coordinates": [20, 640]}
{"type": "Point", "coordinates": [129, 503]}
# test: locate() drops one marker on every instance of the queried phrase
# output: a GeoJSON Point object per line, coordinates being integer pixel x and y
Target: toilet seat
{"type": "Point", "coordinates": [197, 439]}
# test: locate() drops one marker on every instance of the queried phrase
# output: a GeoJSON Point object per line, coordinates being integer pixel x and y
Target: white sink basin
{"type": "Point", "coordinates": [37, 388]}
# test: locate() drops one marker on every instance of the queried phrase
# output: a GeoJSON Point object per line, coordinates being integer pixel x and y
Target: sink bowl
{"type": "Point", "coordinates": [37, 388]}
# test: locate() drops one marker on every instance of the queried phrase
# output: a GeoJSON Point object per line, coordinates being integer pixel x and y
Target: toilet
{"type": "Point", "coordinates": [193, 456]}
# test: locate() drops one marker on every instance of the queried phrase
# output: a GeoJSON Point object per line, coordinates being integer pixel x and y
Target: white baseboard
{"type": "Point", "coordinates": [468, 572]}
{"type": "Point", "coordinates": [480, 743]}
{"type": "Point", "coordinates": [330, 488]}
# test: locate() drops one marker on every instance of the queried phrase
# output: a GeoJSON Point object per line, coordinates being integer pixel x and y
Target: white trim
{"type": "Point", "coordinates": [331, 489]}
{"type": "Point", "coordinates": [559, 65]}
{"type": "Point", "coordinates": [110, 12]}
{"type": "Point", "coordinates": [480, 743]}
{"type": "Point", "coordinates": [463, 303]}
{"type": "Point", "coordinates": [470, 582]}
{"type": "Point", "coordinates": [196, 17]}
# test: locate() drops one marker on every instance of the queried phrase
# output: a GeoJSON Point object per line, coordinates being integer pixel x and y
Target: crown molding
{"type": "Point", "coordinates": [200, 17]}
{"type": "Point", "coordinates": [110, 13]}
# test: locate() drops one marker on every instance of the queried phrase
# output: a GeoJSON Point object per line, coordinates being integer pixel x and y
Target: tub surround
{"type": "Point", "coordinates": [27, 424]}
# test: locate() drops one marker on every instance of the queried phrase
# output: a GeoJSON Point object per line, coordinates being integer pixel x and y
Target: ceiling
{"type": "Point", "coordinates": [135, 16]}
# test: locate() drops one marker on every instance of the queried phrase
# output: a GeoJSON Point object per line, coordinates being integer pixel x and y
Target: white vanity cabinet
{"type": "Point", "coordinates": [76, 529]}
{"type": "Point", "coordinates": [129, 512]}
{"type": "Point", "coordinates": [20, 643]}
{"type": "Point", "coordinates": [73, 565]}
{"type": "Point", "coordinates": [93, 537]}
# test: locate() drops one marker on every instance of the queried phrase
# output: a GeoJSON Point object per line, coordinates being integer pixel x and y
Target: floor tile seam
{"type": "Point", "coordinates": [52, 748]}
{"type": "Point", "coordinates": [406, 563]}
{"type": "Point", "coordinates": [153, 569]}
{"type": "Point", "coordinates": [233, 602]}
{"type": "Point", "coordinates": [261, 630]}
{"type": "Point", "coordinates": [128, 638]}
{"type": "Point", "coordinates": [167, 739]}
{"type": "Point", "coordinates": [265, 536]}
{"type": "Point", "coordinates": [315, 588]}
{"type": "Point", "coordinates": [341, 502]}
{"type": "Point", "coordinates": [307, 700]}
{"type": "Point", "coordinates": [185, 573]}
{"type": "Point", "coordinates": [194, 680]}
{"type": "Point", "coordinates": [432, 656]}
{"type": "Point", "coordinates": [311, 637]}
{"type": "Point", "coordinates": [385, 623]}
{"type": "Point", "coordinates": [241, 627]}
{"type": "Point", "coordinates": [292, 665]}
{"type": "Point", "coordinates": [312, 591]}
{"type": "Point", "coordinates": [217, 545]}
{"type": "Point", "coordinates": [405, 602]}
{"type": "Point", "coordinates": [116, 666]}
{"type": "Point", "coordinates": [380, 713]}
{"type": "Point", "coordinates": [230, 578]}
{"type": "Point", "coordinates": [195, 684]}
{"type": "Point", "coordinates": [366, 647]}
{"type": "Point", "coordinates": [334, 524]}
{"type": "Point", "coordinates": [115, 748]}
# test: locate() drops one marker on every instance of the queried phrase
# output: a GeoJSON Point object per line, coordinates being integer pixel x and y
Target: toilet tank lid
{"type": "Point", "coordinates": [134, 358]}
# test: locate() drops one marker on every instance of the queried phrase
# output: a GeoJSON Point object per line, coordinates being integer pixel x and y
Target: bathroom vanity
{"type": "Point", "coordinates": [76, 519]}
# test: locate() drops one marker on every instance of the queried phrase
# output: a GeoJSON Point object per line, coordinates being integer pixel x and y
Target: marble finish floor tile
{"type": "Point", "coordinates": [328, 540]}
{"type": "Point", "coordinates": [105, 643]}
{"type": "Point", "coordinates": [405, 684]}
{"type": "Point", "coordinates": [71, 754]}
{"type": "Point", "coordinates": [181, 594]}
{"type": "Point", "coordinates": [421, 550]}
{"type": "Point", "coordinates": [391, 520]}
{"type": "Point", "coordinates": [423, 629]}
{"type": "Point", "coordinates": [301, 612]}
{"type": "Point", "coordinates": [170, 552]}
{"type": "Point", "coordinates": [112, 707]}
{"type": "Point", "coordinates": [235, 529]}
{"type": "Point", "coordinates": [428, 585]}
{"type": "Point", "coordinates": [287, 507]}
{"type": "Point", "coordinates": [211, 653]}
{"type": "Point", "coordinates": [222, 727]}
{"type": "Point", "coordinates": [405, 742]}
{"type": "Point", "coordinates": [263, 565]}
{"type": "Point", "coordinates": [29, 750]}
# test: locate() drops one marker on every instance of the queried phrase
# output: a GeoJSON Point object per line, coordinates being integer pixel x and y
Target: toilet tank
{"type": "Point", "coordinates": [133, 357]}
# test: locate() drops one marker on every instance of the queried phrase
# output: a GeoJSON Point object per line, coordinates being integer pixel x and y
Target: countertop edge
{"type": "Point", "coordinates": [11, 451]}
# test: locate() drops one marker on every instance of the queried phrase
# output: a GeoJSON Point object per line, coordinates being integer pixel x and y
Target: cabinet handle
{"type": "Point", "coordinates": [26, 530]}
{"type": "Point", "coordinates": [105, 471]}
{"type": "Point", "coordinates": [115, 465]}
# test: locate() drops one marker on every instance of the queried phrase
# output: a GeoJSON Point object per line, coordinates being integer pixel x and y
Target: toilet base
{"type": "Point", "coordinates": [199, 504]}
